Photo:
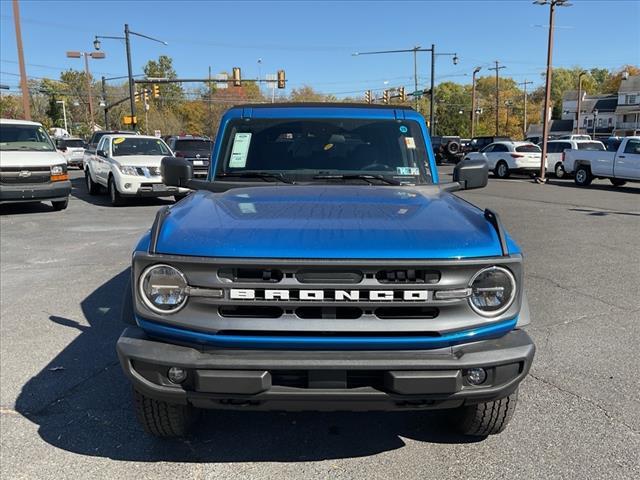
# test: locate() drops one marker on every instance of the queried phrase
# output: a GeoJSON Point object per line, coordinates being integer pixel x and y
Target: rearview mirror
{"type": "Point", "coordinates": [471, 174]}
{"type": "Point", "coordinates": [176, 172]}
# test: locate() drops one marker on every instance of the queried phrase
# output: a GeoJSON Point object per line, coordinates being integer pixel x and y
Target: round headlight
{"type": "Point", "coordinates": [163, 288]}
{"type": "Point", "coordinates": [493, 290]}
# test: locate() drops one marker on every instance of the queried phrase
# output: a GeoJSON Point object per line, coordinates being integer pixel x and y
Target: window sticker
{"type": "Point", "coordinates": [403, 129]}
{"type": "Point", "coordinates": [118, 140]}
{"type": "Point", "coordinates": [407, 171]}
{"type": "Point", "coordinates": [240, 150]}
{"type": "Point", "coordinates": [410, 142]}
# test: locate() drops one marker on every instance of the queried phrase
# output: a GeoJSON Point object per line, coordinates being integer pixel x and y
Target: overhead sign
{"type": "Point", "coordinates": [224, 77]}
{"type": "Point", "coordinates": [129, 120]}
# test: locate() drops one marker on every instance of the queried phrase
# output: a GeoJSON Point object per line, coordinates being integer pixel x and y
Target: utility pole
{"type": "Point", "coordinates": [547, 95]}
{"type": "Point", "coordinates": [64, 114]}
{"type": "Point", "coordinates": [415, 76]}
{"type": "Point", "coordinates": [524, 123]}
{"type": "Point", "coordinates": [579, 105]}
{"type": "Point", "coordinates": [23, 71]}
{"type": "Point", "coordinates": [497, 69]}
{"type": "Point", "coordinates": [210, 132]}
{"type": "Point", "coordinates": [473, 101]}
{"type": "Point", "coordinates": [104, 98]}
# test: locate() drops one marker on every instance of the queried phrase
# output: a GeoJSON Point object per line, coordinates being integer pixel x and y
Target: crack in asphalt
{"type": "Point", "coordinates": [40, 412]}
{"type": "Point", "coordinates": [578, 292]}
{"type": "Point", "coordinates": [588, 400]}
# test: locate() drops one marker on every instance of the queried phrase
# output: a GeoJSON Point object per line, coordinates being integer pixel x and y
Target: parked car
{"type": "Point", "coordinates": [129, 166]}
{"type": "Point", "coordinates": [478, 143]}
{"type": "Point", "coordinates": [574, 136]}
{"type": "Point", "coordinates": [507, 157]}
{"type": "Point", "coordinates": [556, 149]}
{"type": "Point", "coordinates": [447, 149]}
{"type": "Point", "coordinates": [196, 150]}
{"type": "Point", "coordinates": [325, 267]}
{"type": "Point", "coordinates": [72, 150]}
{"type": "Point", "coordinates": [90, 149]}
{"type": "Point", "coordinates": [31, 170]}
{"type": "Point", "coordinates": [619, 167]}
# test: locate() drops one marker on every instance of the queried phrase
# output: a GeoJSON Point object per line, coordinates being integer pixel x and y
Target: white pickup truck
{"type": "Point", "coordinates": [619, 167]}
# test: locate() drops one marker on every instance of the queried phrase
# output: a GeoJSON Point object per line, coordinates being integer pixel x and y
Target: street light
{"type": "Point", "coordinates": [64, 114]}
{"type": "Point", "coordinates": [415, 51]}
{"type": "Point", "coordinates": [87, 55]}
{"type": "Point", "coordinates": [473, 101]}
{"type": "Point", "coordinates": [547, 95]}
{"type": "Point", "coordinates": [127, 32]}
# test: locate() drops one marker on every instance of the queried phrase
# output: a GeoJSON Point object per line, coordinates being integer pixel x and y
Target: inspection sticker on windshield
{"type": "Point", "coordinates": [410, 142]}
{"type": "Point", "coordinates": [240, 150]}
{"type": "Point", "coordinates": [407, 171]}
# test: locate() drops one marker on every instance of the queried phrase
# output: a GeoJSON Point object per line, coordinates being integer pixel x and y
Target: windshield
{"type": "Point", "coordinates": [71, 143]}
{"type": "Point", "coordinates": [25, 137]}
{"type": "Point", "coordinates": [123, 146]}
{"type": "Point", "coordinates": [590, 146]}
{"type": "Point", "coordinates": [528, 149]}
{"type": "Point", "coordinates": [306, 148]}
{"type": "Point", "coordinates": [194, 145]}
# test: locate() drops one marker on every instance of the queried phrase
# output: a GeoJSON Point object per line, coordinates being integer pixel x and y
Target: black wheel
{"type": "Point", "coordinates": [559, 171]}
{"type": "Point", "coordinates": [114, 194]}
{"type": "Point", "coordinates": [485, 419]}
{"type": "Point", "coordinates": [583, 176]}
{"type": "Point", "coordinates": [617, 182]}
{"type": "Point", "coordinates": [502, 170]}
{"type": "Point", "coordinates": [163, 419]}
{"type": "Point", "coordinates": [60, 204]}
{"type": "Point", "coordinates": [92, 187]}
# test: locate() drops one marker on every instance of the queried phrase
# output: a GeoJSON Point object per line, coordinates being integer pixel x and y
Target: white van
{"type": "Point", "coordinates": [31, 169]}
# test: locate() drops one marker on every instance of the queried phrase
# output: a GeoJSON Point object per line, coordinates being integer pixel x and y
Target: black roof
{"type": "Point", "coordinates": [561, 126]}
{"type": "Point", "coordinates": [608, 104]}
{"type": "Point", "coordinates": [324, 105]}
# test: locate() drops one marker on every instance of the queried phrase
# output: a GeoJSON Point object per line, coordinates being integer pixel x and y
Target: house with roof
{"type": "Point", "coordinates": [597, 113]}
{"type": "Point", "coordinates": [628, 107]}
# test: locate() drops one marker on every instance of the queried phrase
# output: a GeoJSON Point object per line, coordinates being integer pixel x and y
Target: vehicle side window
{"type": "Point", "coordinates": [487, 149]}
{"type": "Point", "coordinates": [105, 146]}
{"type": "Point", "coordinates": [500, 148]}
{"type": "Point", "coordinates": [552, 147]}
{"type": "Point", "coordinates": [100, 143]}
{"type": "Point", "coordinates": [633, 146]}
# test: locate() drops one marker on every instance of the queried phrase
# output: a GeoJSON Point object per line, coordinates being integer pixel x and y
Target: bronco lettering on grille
{"type": "Point", "coordinates": [333, 295]}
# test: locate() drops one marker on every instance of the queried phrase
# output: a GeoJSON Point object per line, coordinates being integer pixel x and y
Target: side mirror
{"type": "Point", "coordinates": [176, 172]}
{"type": "Point", "coordinates": [101, 153]}
{"type": "Point", "coordinates": [471, 174]}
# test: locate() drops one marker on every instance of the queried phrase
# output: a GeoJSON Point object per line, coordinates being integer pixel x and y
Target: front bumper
{"type": "Point", "coordinates": [326, 380]}
{"type": "Point", "coordinates": [137, 186]}
{"type": "Point", "coordinates": [35, 192]}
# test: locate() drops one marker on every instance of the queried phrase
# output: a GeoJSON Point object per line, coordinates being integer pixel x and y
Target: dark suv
{"type": "Point", "coordinates": [195, 149]}
{"type": "Point", "coordinates": [447, 149]}
{"type": "Point", "coordinates": [478, 143]}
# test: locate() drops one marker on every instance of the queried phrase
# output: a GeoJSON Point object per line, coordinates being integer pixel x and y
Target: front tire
{"type": "Point", "coordinates": [502, 170]}
{"type": "Point", "coordinates": [92, 187]}
{"type": "Point", "coordinates": [583, 176]}
{"type": "Point", "coordinates": [484, 419]}
{"type": "Point", "coordinates": [60, 204]}
{"type": "Point", "coordinates": [114, 195]}
{"type": "Point", "coordinates": [162, 419]}
{"type": "Point", "coordinates": [559, 171]}
{"type": "Point", "coordinates": [617, 182]}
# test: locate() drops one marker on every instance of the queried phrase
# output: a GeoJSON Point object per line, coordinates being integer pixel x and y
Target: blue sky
{"type": "Point", "coordinates": [313, 41]}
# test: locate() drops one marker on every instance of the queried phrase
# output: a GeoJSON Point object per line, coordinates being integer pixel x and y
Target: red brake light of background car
{"type": "Point", "coordinates": [517, 155]}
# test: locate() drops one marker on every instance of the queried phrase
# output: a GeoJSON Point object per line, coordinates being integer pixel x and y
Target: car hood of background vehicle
{"type": "Point", "coordinates": [140, 160]}
{"type": "Point", "coordinates": [27, 158]}
{"type": "Point", "coordinates": [338, 222]}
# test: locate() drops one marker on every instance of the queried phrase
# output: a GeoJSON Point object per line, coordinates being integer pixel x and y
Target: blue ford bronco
{"type": "Point", "coordinates": [322, 265]}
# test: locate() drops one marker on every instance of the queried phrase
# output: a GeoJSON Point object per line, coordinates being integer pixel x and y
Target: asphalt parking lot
{"type": "Point", "coordinates": [65, 405]}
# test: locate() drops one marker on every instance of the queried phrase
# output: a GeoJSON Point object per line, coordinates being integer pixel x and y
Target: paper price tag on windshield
{"type": "Point", "coordinates": [118, 140]}
{"type": "Point", "coordinates": [240, 150]}
{"type": "Point", "coordinates": [410, 142]}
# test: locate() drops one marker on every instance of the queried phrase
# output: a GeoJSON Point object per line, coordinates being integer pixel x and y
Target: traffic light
{"type": "Point", "coordinates": [156, 91]}
{"type": "Point", "coordinates": [385, 97]}
{"type": "Point", "coordinates": [136, 96]}
{"type": "Point", "coordinates": [368, 97]}
{"type": "Point", "coordinates": [403, 95]}
{"type": "Point", "coordinates": [281, 79]}
{"type": "Point", "coordinates": [145, 95]}
{"type": "Point", "coordinates": [237, 78]}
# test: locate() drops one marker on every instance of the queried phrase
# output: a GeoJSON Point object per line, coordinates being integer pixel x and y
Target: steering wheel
{"type": "Point", "coordinates": [376, 166]}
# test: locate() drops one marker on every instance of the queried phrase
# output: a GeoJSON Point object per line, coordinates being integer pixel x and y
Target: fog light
{"type": "Point", "coordinates": [177, 375]}
{"type": "Point", "coordinates": [127, 185]}
{"type": "Point", "coordinates": [476, 376]}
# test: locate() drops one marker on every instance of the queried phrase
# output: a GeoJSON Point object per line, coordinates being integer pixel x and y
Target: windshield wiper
{"type": "Point", "coordinates": [365, 177]}
{"type": "Point", "coordinates": [266, 176]}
